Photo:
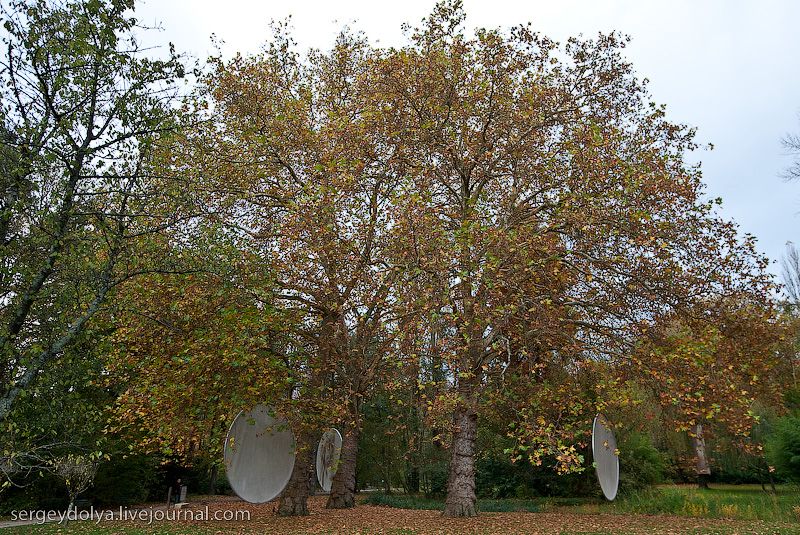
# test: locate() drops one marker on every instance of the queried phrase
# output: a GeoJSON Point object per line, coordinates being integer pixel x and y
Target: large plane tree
{"type": "Point", "coordinates": [552, 210]}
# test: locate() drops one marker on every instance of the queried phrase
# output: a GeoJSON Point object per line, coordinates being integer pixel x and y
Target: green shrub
{"type": "Point", "coordinates": [205, 476]}
{"type": "Point", "coordinates": [410, 501]}
{"type": "Point", "coordinates": [733, 465]}
{"type": "Point", "coordinates": [437, 482]}
{"type": "Point", "coordinates": [640, 464]}
{"type": "Point", "coordinates": [124, 481]}
{"type": "Point", "coordinates": [498, 478]}
{"type": "Point", "coordinates": [403, 501]}
{"type": "Point", "coordinates": [783, 447]}
{"type": "Point", "coordinates": [791, 398]}
{"type": "Point", "coordinates": [40, 491]}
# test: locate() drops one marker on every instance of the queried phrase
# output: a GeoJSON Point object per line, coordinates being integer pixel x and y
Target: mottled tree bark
{"type": "Point", "coordinates": [461, 481]}
{"type": "Point", "coordinates": [294, 499]}
{"type": "Point", "coordinates": [702, 468]}
{"type": "Point", "coordinates": [343, 487]}
{"type": "Point", "coordinates": [212, 481]}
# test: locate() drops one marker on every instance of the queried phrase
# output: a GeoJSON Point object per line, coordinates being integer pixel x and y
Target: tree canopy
{"type": "Point", "coordinates": [476, 226]}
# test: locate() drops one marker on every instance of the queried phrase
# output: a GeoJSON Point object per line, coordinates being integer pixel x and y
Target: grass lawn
{"type": "Point", "coordinates": [741, 502]}
{"type": "Point", "coordinates": [745, 502]}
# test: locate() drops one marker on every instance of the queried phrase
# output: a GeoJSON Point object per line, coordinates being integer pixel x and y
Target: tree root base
{"type": "Point", "coordinates": [460, 510]}
{"type": "Point", "coordinates": [290, 507]}
{"type": "Point", "coordinates": [340, 502]}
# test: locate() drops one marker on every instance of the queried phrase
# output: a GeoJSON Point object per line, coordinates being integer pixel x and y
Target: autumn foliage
{"type": "Point", "coordinates": [511, 212]}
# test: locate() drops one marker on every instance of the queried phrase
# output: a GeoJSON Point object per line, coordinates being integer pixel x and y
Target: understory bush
{"type": "Point", "coordinates": [640, 464]}
{"type": "Point", "coordinates": [783, 447]}
{"type": "Point", "coordinates": [408, 501]}
{"type": "Point", "coordinates": [124, 480]}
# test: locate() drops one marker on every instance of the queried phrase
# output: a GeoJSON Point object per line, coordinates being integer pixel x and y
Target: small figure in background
{"type": "Point", "coordinates": [176, 491]}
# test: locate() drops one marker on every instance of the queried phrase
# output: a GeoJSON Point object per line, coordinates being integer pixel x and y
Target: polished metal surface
{"type": "Point", "coordinates": [259, 454]}
{"type": "Point", "coordinates": [606, 458]}
{"type": "Point", "coordinates": [328, 453]}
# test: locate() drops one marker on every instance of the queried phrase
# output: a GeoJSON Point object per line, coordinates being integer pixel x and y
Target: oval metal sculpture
{"type": "Point", "coordinates": [606, 458]}
{"type": "Point", "coordinates": [328, 453]}
{"type": "Point", "coordinates": [259, 454]}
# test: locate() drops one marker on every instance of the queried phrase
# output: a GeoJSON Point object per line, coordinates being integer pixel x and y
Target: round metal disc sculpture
{"type": "Point", "coordinates": [606, 460]}
{"type": "Point", "coordinates": [259, 455]}
{"type": "Point", "coordinates": [328, 453]}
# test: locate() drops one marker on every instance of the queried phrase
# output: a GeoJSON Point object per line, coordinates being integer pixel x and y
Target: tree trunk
{"type": "Point", "coordinates": [212, 480]}
{"type": "Point", "coordinates": [461, 479]}
{"type": "Point", "coordinates": [343, 486]}
{"type": "Point", "coordinates": [702, 467]}
{"type": "Point", "coordinates": [413, 478]}
{"type": "Point", "coordinates": [65, 520]}
{"type": "Point", "coordinates": [294, 499]}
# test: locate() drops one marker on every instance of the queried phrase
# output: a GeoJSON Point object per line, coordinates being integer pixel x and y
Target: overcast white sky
{"type": "Point", "coordinates": [729, 67]}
